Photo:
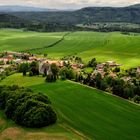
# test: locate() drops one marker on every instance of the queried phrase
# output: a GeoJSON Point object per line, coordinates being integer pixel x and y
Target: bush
{"type": "Point", "coordinates": [26, 108]}
{"type": "Point", "coordinates": [137, 99]}
{"type": "Point", "coordinates": [30, 73]}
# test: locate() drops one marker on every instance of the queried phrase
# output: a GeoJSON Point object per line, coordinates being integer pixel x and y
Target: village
{"type": "Point", "coordinates": [12, 60]}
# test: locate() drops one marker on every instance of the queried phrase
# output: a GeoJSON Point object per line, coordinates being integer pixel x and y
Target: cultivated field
{"type": "Point", "coordinates": [123, 49]}
{"type": "Point", "coordinates": [83, 113]}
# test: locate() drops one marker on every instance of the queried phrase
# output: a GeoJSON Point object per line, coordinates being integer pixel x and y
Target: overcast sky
{"type": "Point", "coordinates": [71, 4]}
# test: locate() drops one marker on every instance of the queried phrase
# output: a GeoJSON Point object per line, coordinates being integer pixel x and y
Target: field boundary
{"type": "Point", "coordinates": [105, 92]}
{"type": "Point", "coordinates": [48, 46]}
{"type": "Point", "coordinates": [65, 126]}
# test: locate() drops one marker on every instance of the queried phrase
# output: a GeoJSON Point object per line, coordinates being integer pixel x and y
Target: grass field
{"type": "Point", "coordinates": [18, 40]}
{"type": "Point", "coordinates": [88, 113]}
{"type": "Point", "coordinates": [123, 49]}
{"type": "Point", "coordinates": [115, 46]}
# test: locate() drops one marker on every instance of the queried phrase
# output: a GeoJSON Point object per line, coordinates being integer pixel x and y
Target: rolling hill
{"type": "Point", "coordinates": [122, 48]}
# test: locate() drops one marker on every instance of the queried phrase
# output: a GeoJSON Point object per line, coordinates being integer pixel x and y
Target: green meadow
{"type": "Point", "coordinates": [83, 112]}
{"type": "Point", "coordinates": [18, 40]}
{"type": "Point", "coordinates": [124, 49]}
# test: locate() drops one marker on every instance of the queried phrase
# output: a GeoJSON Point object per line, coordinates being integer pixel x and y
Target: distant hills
{"type": "Point", "coordinates": [45, 19]}
{"type": "Point", "coordinates": [17, 8]}
{"type": "Point", "coordinates": [89, 14]}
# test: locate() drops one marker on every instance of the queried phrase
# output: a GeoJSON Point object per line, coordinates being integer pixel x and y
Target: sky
{"type": "Point", "coordinates": [69, 4]}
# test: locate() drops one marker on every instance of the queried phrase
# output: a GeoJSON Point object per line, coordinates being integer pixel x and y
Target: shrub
{"type": "Point", "coordinates": [30, 73]}
{"type": "Point", "coordinates": [137, 99]}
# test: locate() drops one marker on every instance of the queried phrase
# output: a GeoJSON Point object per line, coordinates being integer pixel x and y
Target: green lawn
{"type": "Point", "coordinates": [123, 49]}
{"type": "Point", "coordinates": [94, 114]}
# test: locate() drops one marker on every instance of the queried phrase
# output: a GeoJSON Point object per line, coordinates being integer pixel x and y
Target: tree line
{"type": "Point", "coordinates": [128, 89]}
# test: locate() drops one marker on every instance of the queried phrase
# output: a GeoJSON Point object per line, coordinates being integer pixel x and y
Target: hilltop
{"type": "Point", "coordinates": [88, 14]}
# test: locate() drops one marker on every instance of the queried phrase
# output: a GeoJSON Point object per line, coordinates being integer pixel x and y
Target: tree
{"type": "Point", "coordinates": [98, 79]}
{"type": "Point", "coordinates": [78, 77]}
{"type": "Point", "coordinates": [27, 108]}
{"type": "Point", "coordinates": [63, 73]}
{"type": "Point", "coordinates": [117, 87]}
{"type": "Point", "coordinates": [54, 70]}
{"type": "Point", "coordinates": [92, 63]}
{"type": "Point", "coordinates": [24, 68]}
{"type": "Point", "coordinates": [128, 92]}
{"type": "Point", "coordinates": [117, 69]}
{"type": "Point", "coordinates": [78, 59]}
{"type": "Point", "coordinates": [67, 73]}
{"type": "Point", "coordinates": [104, 84]}
{"type": "Point", "coordinates": [34, 67]}
{"type": "Point", "coordinates": [50, 78]}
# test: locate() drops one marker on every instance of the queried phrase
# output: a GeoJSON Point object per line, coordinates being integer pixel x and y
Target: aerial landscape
{"type": "Point", "coordinates": [70, 70]}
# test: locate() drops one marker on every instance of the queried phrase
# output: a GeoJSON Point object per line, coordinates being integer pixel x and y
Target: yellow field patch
{"type": "Point", "coordinates": [16, 133]}
{"type": "Point", "coordinates": [13, 133]}
{"type": "Point", "coordinates": [43, 136]}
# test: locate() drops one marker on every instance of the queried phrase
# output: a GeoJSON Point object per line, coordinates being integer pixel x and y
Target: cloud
{"type": "Point", "coordinates": [69, 3]}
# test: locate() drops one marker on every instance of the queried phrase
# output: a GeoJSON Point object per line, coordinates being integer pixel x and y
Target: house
{"type": "Point", "coordinates": [100, 67]}
{"type": "Point", "coordinates": [44, 67]}
{"type": "Point", "coordinates": [32, 58]}
{"type": "Point", "coordinates": [5, 60]}
{"type": "Point", "coordinates": [1, 69]}
{"type": "Point", "coordinates": [113, 75]}
{"type": "Point", "coordinates": [18, 61]}
{"type": "Point", "coordinates": [95, 72]}
{"type": "Point", "coordinates": [74, 66]}
{"type": "Point", "coordinates": [112, 64]}
{"type": "Point", "coordinates": [16, 54]}
{"type": "Point", "coordinates": [81, 66]}
{"type": "Point", "coordinates": [126, 79]}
